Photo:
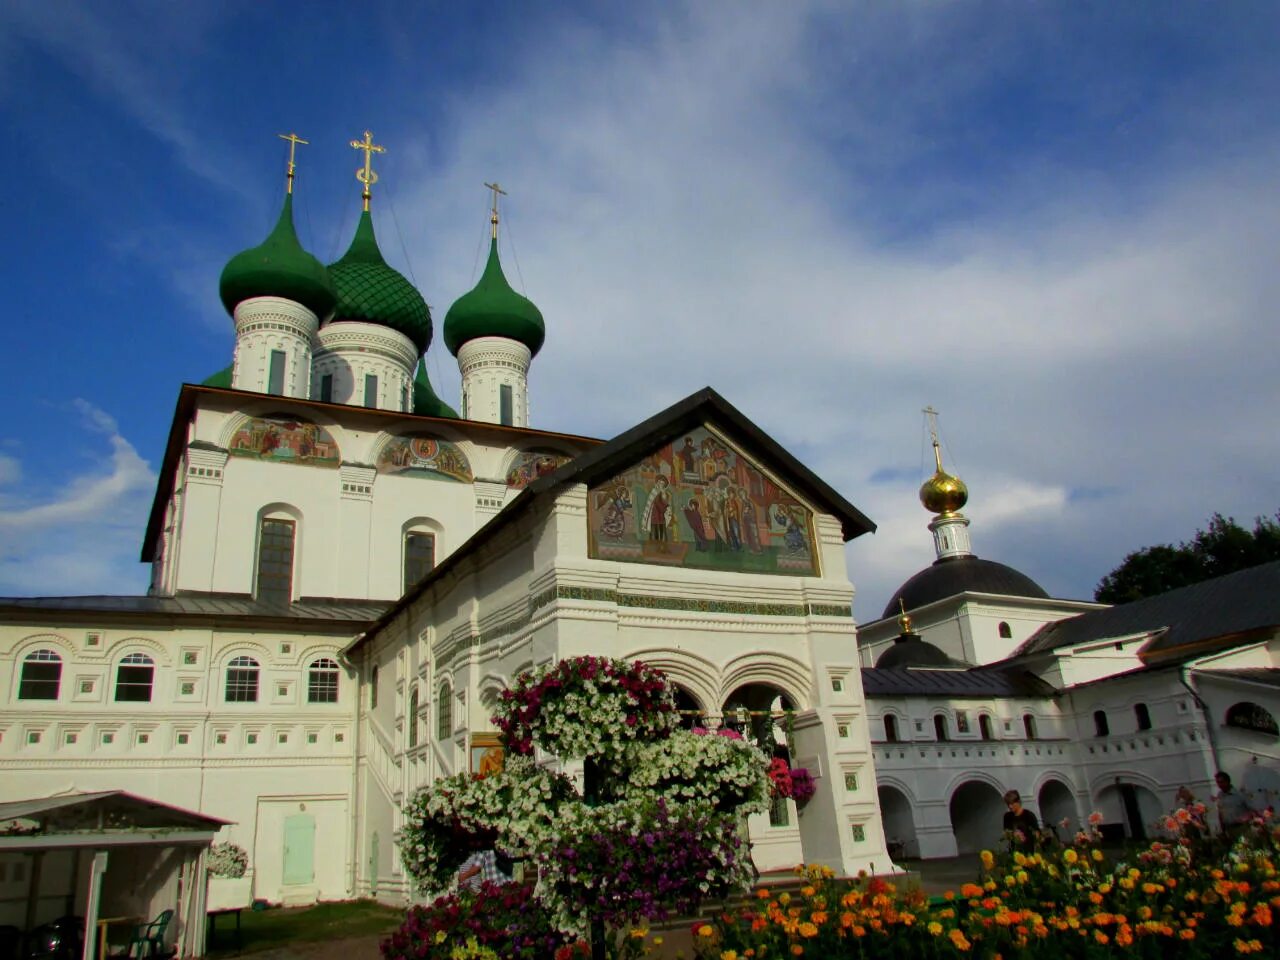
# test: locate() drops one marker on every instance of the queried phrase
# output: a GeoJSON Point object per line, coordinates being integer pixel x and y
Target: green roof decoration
{"type": "Point", "coordinates": [425, 401]}
{"type": "Point", "coordinates": [278, 267]}
{"type": "Point", "coordinates": [493, 309]}
{"type": "Point", "coordinates": [369, 291]}
{"type": "Point", "coordinates": [220, 379]}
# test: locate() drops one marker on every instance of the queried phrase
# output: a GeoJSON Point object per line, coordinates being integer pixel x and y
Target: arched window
{"type": "Point", "coordinates": [940, 728]}
{"type": "Point", "coordinates": [890, 728]}
{"type": "Point", "coordinates": [41, 676]}
{"type": "Point", "coordinates": [1029, 726]}
{"type": "Point", "coordinates": [1143, 715]}
{"type": "Point", "coordinates": [1006, 632]}
{"type": "Point", "coordinates": [373, 688]}
{"type": "Point", "coordinates": [134, 677]}
{"type": "Point", "coordinates": [444, 713]}
{"type": "Point", "coordinates": [419, 556]}
{"type": "Point", "coordinates": [322, 681]}
{"type": "Point", "coordinates": [413, 718]}
{"type": "Point", "coordinates": [984, 726]}
{"type": "Point", "coordinates": [242, 680]}
{"type": "Point", "coordinates": [1249, 716]}
{"type": "Point", "coordinates": [275, 560]}
{"type": "Point", "coordinates": [1101, 727]}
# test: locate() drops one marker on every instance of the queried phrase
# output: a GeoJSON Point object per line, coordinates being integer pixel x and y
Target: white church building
{"type": "Point", "coordinates": [346, 572]}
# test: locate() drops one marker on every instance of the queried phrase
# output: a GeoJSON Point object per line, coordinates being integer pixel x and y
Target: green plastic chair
{"type": "Point", "coordinates": [148, 938]}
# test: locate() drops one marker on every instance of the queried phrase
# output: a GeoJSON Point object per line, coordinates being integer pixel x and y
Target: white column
{"type": "Point", "coordinates": [267, 326]}
{"type": "Point", "coordinates": [488, 365]}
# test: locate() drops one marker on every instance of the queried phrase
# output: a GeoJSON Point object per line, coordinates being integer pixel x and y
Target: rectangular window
{"type": "Point", "coordinates": [370, 390]}
{"type": "Point", "coordinates": [275, 383]}
{"type": "Point", "coordinates": [275, 561]}
{"type": "Point", "coordinates": [504, 405]}
{"type": "Point", "coordinates": [859, 833]}
{"type": "Point", "coordinates": [326, 388]}
{"type": "Point", "coordinates": [779, 812]}
{"type": "Point", "coordinates": [419, 557]}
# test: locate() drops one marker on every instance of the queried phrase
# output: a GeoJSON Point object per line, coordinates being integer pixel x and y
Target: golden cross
{"type": "Point", "coordinates": [294, 140]}
{"type": "Point", "coordinates": [365, 174]}
{"type": "Point", "coordinates": [931, 415]}
{"type": "Point", "coordinates": [493, 217]}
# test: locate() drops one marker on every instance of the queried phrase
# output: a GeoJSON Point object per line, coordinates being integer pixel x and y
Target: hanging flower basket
{"type": "Point", "coordinates": [728, 772]}
{"type": "Point", "coordinates": [586, 707]}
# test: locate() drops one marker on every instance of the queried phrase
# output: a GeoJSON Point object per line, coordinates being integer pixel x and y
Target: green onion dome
{"type": "Point", "coordinates": [278, 267]}
{"type": "Point", "coordinates": [220, 379]}
{"type": "Point", "coordinates": [369, 291]}
{"type": "Point", "coordinates": [493, 309]}
{"type": "Point", "coordinates": [425, 401]}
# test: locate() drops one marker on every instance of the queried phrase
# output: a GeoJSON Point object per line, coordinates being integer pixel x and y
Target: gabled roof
{"type": "Point", "coordinates": [1236, 604]}
{"type": "Point", "coordinates": [609, 459]}
{"type": "Point", "coordinates": [106, 818]}
{"type": "Point", "coordinates": [927, 682]}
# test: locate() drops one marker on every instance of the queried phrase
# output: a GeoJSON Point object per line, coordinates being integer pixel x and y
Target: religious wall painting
{"type": "Point", "coordinates": [531, 465]}
{"type": "Point", "coordinates": [422, 455]}
{"type": "Point", "coordinates": [283, 439]}
{"type": "Point", "coordinates": [699, 502]}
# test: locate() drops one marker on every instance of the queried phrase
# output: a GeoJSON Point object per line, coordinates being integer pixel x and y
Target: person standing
{"type": "Point", "coordinates": [480, 868]}
{"type": "Point", "coordinates": [1234, 811]}
{"type": "Point", "coordinates": [1020, 823]}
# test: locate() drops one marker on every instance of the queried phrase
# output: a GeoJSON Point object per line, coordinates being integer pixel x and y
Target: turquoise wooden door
{"type": "Point", "coordinates": [299, 848]}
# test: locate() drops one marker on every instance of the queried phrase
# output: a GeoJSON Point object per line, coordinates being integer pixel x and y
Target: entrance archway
{"type": "Point", "coordinates": [756, 711]}
{"type": "Point", "coordinates": [977, 816]}
{"type": "Point", "coordinates": [692, 713]}
{"type": "Point", "coordinates": [899, 824]}
{"type": "Point", "coordinates": [1128, 808]}
{"type": "Point", "coordinates": [1058, 804]}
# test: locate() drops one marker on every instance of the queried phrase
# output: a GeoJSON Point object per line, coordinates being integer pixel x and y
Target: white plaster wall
{"type": "Point", "coordinates": [487, 364]}
{"type": "Point", "coordinates": [351, 520]}
{"type": "Point", "coordinates": [264, 324]}
{"type": "Point", "coordinates": [349, 351]}
{"type": "Point", "coordinates": [235, 756]}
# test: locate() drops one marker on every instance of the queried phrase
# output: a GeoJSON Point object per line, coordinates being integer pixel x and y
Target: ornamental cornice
{"type": "Point", "coordinates": [274, 313]}
{"type": "Point", "coordinates": [170, 761]}
{"type": "Point", "coordinates": [345, 337]}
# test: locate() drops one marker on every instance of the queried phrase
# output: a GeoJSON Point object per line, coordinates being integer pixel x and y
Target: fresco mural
{"type": "Point", "coordinates": [698, 502]}
{"type": "Point", "coordinates": [285, 440]}
{"type": "Point", "coordinates": [531, 465]}
{"type": "Point", "coordinates": [420, 455]}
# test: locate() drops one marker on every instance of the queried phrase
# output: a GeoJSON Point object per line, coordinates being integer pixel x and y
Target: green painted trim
{"type": "Point", "coordinates": [830, 610]}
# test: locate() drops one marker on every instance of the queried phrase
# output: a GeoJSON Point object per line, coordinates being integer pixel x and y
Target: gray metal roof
{"type": "Point", "coordinates": [1268, 676]}
{"type": "Point", "coordinates": [1237, 603]}
{"type": "Point", "coordinates": [207, 605]}
{"type": "Point", "coordinates": [975, 684]}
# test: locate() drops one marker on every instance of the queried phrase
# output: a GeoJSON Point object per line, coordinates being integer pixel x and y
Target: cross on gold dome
{"type": "Point", "coordinates": [493, 217]}
{"type": "Point", "coordinates": [931, 415]}
{"type": "Point", "coordinates": [294, 140]}
{"type": "Point", "coordinates": [365, 174]}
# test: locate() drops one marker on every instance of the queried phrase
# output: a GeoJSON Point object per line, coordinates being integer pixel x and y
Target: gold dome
{"type": "Point", "coordinates": [943, 493]}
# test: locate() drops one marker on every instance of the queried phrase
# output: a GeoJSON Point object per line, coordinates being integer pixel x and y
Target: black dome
{"type": "Point", "coordinates": [914, 652]}
{"type": "Point", "coordinates": [955, 575]}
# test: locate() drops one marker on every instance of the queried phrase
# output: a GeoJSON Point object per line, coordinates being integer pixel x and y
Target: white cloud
{"type": "Point", "coordinates": [84, 537]}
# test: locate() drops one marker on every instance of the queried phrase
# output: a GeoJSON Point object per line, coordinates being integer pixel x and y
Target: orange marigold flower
{"type": "Point", "coordinates": [1187, 934]}
{"type": "Point", "coordinates": [762, 893]}
{"type": "Point", "coordinates": [808, 930]}
{"type": "Point", "coordinates": [1101, 937]}
{"type": "Point", "coordinates": [797, 950]}
{"type": "Point", "coordinates": [705, 930]}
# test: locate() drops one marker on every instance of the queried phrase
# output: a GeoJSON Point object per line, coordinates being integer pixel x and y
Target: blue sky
{"type": "Point", "coordinates": [1056, 223]}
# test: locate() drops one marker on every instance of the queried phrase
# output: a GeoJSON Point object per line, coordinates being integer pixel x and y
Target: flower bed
{"type": "Point", "coordinates": [1059, 904]}
{"type": "Point", "coordinates": [503, 920]}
